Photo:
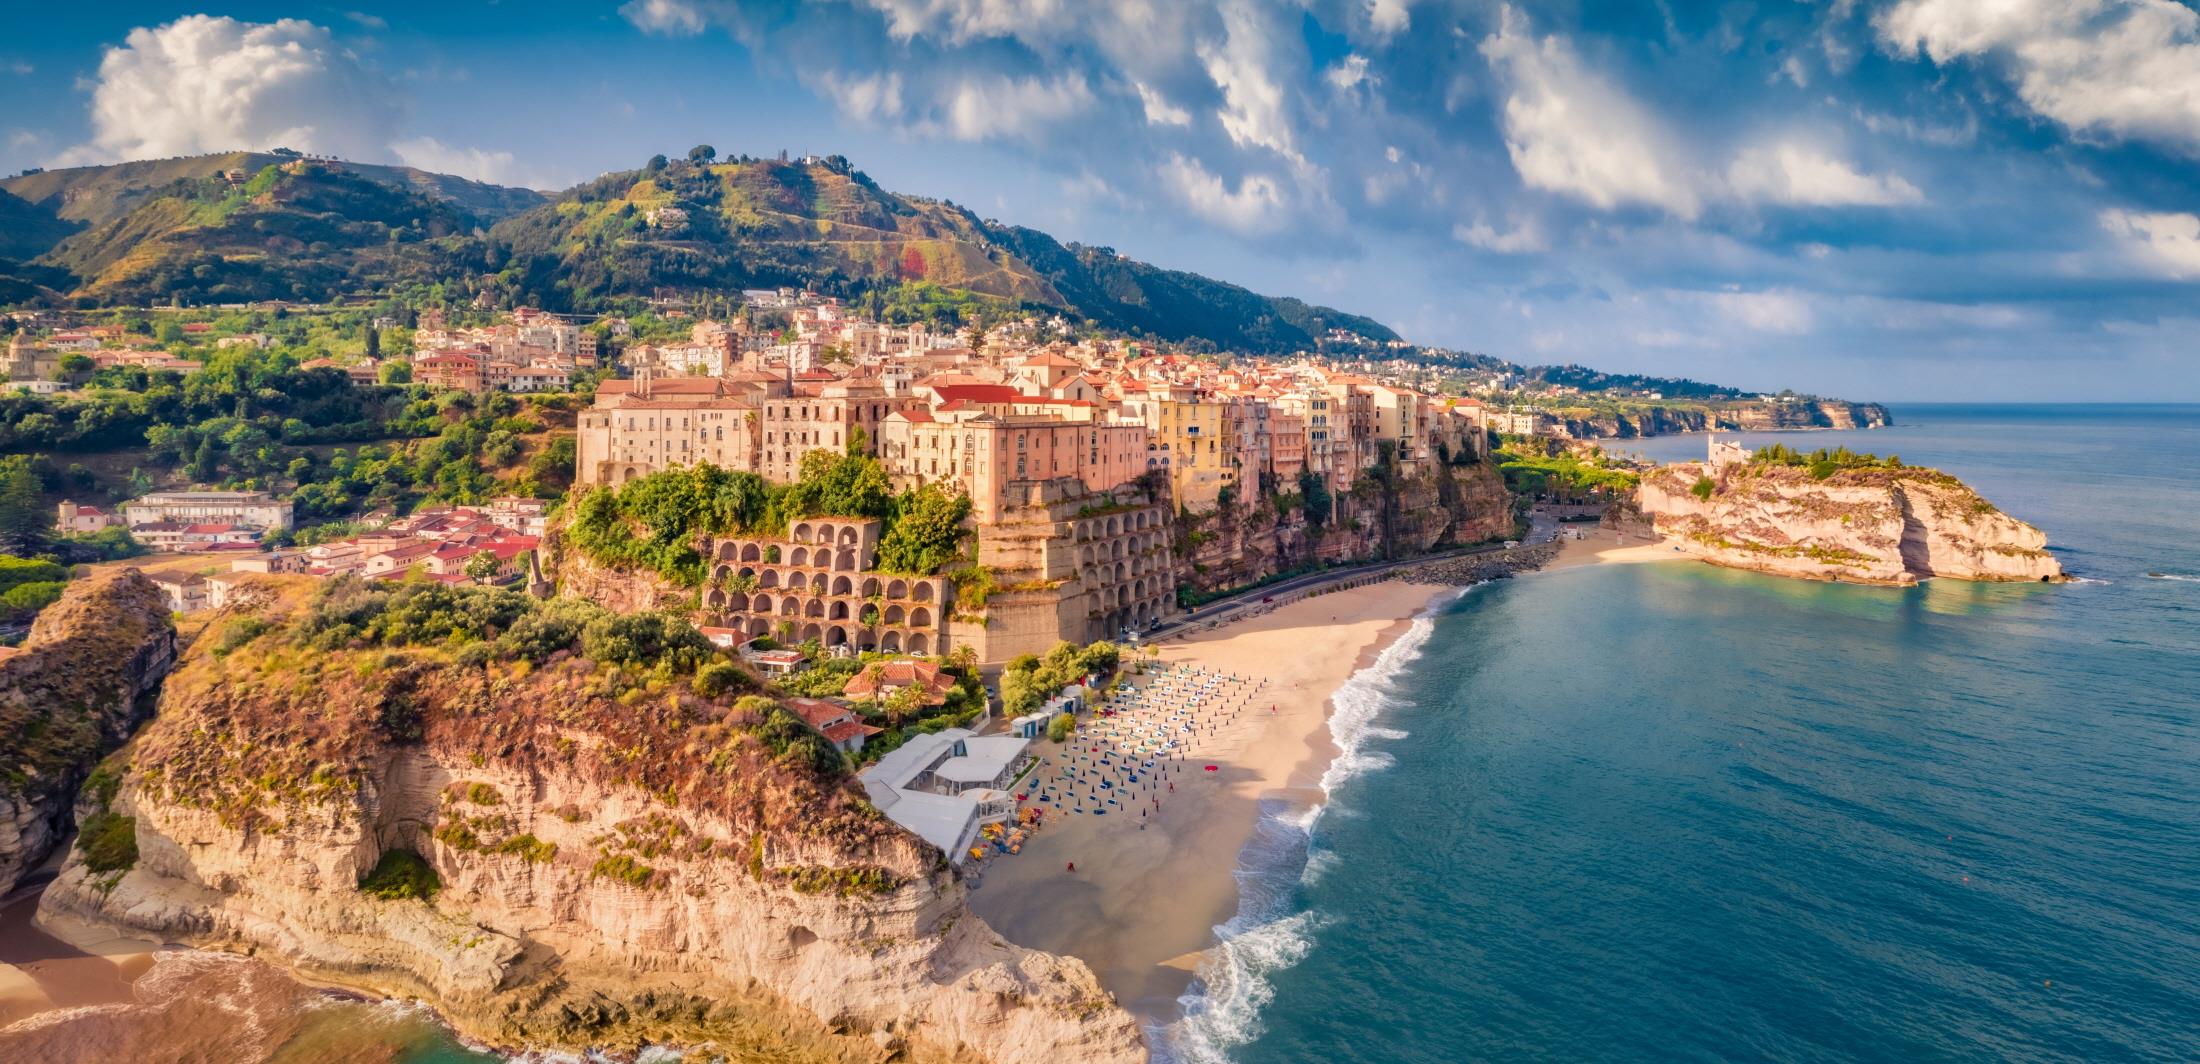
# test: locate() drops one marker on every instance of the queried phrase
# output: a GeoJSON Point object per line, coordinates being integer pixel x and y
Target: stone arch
{"type": "Point", "coordinates": [818, 583]}
{"type": "Point", "coordinates": [891, 643]}
{"type": "Point", "coordinates": [768, 578]}
{"type": "Point", "coordinates": [813, 631]}
{"type": "Point", "coordinates": [838, 611]}
{"type": "Point", "coordinates": [836, 635]}
{"type": "Point", "coordinates": [897, 589]}
{"type": "Point", "coordinates": [759, 627]}
{"type": "Point", "coordinates": [920, 618]}
{"type": "Point", "coordinates": [870, 586]}
{"type": "Point", "coordinates": [737, 601]}
{"type": "Point", "coordinates": [919, 643]}
{"type": "Point", "coordinates": [1114, 526]}
{"type": "Point", "coordinates": [842, 586]}
{"type": "Point", "coordinates": [824, 533]}
{"type": "Point", "coordinates": [801, 556]}
{"type": "Point", "coordinates": [845, 560]}
{"type": "Point", "coordinates": [814, 608]}
{"type": "Point", "coordinates": [719, 575]}
{"type": "Point", "coordinates": [1122, 571]}
{"type": "Point", "coordinates": [922, 592]}
{"type": "Point", "coordinates": [849, 537]}
{"type": "Point", "coordinates": [801, 533]}
{"type": "Point", "coordinates": [790, 607]}
{"type": "Point", "coordinates": [893, 614]}
{"type": "Point", "coordinates": [715, 599]}
{"type": "Point", "coordinates": [1086, 556]}
{"type": "Point", "coordinates": [750, 552]}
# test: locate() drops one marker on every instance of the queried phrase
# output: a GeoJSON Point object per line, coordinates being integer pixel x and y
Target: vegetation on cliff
{"type": "Point", "coordinates": [656, 522]}
{"type": "Point", "coordinates": [348, 673]}
{"type": "Point", "coordinates": [68, 696]}
{"type": "Point", "coordinates": [1544, 467]}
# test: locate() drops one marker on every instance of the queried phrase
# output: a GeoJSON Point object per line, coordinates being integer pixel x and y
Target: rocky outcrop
{"type": "Point", "coordinates": [1873, 525]}
{"type": "Point", "coordinates": [622, 861]}
{"type": "Point", "coordinates": [1746, 416]}
{"type": "Point", "coordinates": [72, 693]}
{"type": "Point", "coordinates": [1440, 506]}
{"type": "Point", "coordinates": [578, 576]}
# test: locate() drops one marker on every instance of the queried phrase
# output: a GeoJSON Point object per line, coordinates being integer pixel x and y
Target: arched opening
{"type": "Point", "coordinates": [839, 612]}
{"type": "Point", "coordinates": [750, 552]}
{"type": "Point", "coordinates": [769, 578]}
{"type": "Point", "coordinates": [870, 587]}
{"type": "Point", "coordinates": [923, 591]}
{"type": "Point", "coordinates": [846, 560]}
{"type": "Point", "coordinates": [737, 601]}
{"type": "Point", "coordinates": [720, 574]}
{"type": "Point", "coordinates": [920, 618]}
{"type": "Point", "coordinates": [813, 631]}
{"type": "Point", "coordinates": [759, 627]}
{"type": "Point", "coordinates": [897, 589]}
{"type": "Point", "coordinates": [715, 599]}
{"type": "Point", "coordinates": [824, 533]}
{"type": "Point", "coordinates": [849, 537]}
{"type": "Point", "coordinates": [801, 556]}
{"type": "Point", "coordinates": [790, 607]}
{"type": "Point", "coordinates": [843, 586]}
{"type": "Point", "coordinates": [891, 643]}
{"type": "Point", "coordinates": [761, 604]}
{"type": "Point", "coordinates": [815, 608]}
{"type": "Point", "coordinates": [818, 583]}
{"type": "Point", "coordinates": [1113, 526]}
{"type": "Point", "coordinates": [835, 636]}
{"type": "Point", "coordinates": [893, 614]}
{"type": "Point", "coordinates": [801, 533]}
{"type": "Point", "coordinates": [919, 643]}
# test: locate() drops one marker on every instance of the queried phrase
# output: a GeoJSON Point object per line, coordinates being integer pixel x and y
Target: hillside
{"type": "Point", "coordinates": [300, 229]}
{"type": "Point", "coordinates": [95, 195]}
{"type": "Point", "coordinates": [208, 229]}
{"type": "Point", "coordinates": [825, 225]}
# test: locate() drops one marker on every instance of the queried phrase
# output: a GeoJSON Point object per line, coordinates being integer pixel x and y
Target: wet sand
{"type": "Point", "coordinates": [39, 972]}
{"type": "Point", "coordinates": [1604, 546]}
{"type": "Point", "coordinates": [1142, 905]}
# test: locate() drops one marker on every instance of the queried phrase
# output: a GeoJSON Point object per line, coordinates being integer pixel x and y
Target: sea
{"type": "Point", "coordinates": [1670, 812]}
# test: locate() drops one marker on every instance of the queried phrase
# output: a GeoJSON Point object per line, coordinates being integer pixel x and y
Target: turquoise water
{"type": "Point", "coordinates": [1672, 812]}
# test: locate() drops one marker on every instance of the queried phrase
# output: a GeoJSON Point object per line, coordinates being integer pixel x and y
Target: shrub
{"type": "Point", "coordinates": [483, 794]}
{"type": "Point", "coordinates": [237, 633]}
{"type": "Point", "coordinates": [624, 869]}
{"type": "Point", "coordinates": [721, 678]}
{"type": "Point", "coordinates": [529, 848]}
{"type": "Point", "coordinates": [108, 842]}
{"type": "Point", "coordinates": [399, 875]}
{"type": "Point", "coordinates": [1061, 727]}
{"type": "Point", "coordinates": [1702, 488]}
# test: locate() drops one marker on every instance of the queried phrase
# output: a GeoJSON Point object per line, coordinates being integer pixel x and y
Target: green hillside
{"type": "Point", "coordinates": [247, 226]}
{"type": "Point", "coordinates": [300, 230]}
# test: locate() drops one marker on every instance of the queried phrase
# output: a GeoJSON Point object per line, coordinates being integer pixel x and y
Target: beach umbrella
{"type": "Point", "coordinates": [1214, 768]}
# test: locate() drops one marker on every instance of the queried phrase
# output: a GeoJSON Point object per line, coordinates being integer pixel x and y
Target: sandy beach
{"type": "Point", "coordinates": [1143, 902]}
{"type": "Point", "coordinates": [1146, 895]}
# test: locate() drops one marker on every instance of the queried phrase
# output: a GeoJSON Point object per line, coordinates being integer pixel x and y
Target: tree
{"type": "Point", "coordinates": [395, 373]}
{"type": "Point", "coordinates": [374, 342]}
{"type": "Point", "coordinates": [927, 532]}
{"type": "Point", "coordinates": [483, 566]}
{"type": "Point", "coordinates": [1061, 727]}
{"type": "Point", "coordinates": [24, 520]}
{"type": "Point", "coordinates": [656, 164]}
{"type": "Point", "coordinates": [1315, 495]}
{"type": "Point", "coordinates": [702, 154]}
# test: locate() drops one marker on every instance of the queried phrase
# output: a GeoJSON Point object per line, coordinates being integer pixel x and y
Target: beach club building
{"type": "Point", "coordinates": [945, 786]}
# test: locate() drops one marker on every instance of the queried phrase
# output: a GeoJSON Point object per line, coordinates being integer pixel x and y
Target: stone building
{"type": "Point", "coordinates": [1069, 565]}
{"type": "Point", "coordinates": [819, 583]}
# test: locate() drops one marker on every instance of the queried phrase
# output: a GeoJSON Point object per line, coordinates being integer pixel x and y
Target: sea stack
{"type": "Point", "coordinates": [1839, 516]}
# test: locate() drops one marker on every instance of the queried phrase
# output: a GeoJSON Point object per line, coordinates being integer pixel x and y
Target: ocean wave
{"type": "Point", "coordinates": [1221, 1009]}
{"type": "Point", "coordinates": [2179, 577]}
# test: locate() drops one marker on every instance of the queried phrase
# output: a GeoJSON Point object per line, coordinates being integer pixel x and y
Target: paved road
{"type": "Point", "coordinates": [1227, 608]}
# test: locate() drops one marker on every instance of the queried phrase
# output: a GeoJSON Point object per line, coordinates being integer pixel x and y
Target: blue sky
{"type": "Point", "coordinates": [1884, 199]}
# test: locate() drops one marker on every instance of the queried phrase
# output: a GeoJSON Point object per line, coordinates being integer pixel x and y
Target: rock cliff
{"type": "Point", "coordinates": [1877, 525]}
{"type": "Point", "coordinates": [1752, 416]}
{"type": "Point", "coordinates": [621, 859]}
{"type": "Point", "coordinates": [1247, 541]}
{"type": "Point", "coordinates": [73, 691]}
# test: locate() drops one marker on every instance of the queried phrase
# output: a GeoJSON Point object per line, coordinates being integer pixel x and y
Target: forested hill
{"type": "Point", "coordinates": [249, 226]}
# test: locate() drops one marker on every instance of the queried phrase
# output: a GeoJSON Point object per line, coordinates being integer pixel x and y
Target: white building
{"type": "Point", "coordinates": [252, 509]}
{"type": "Point", "coordinates": [945, 786]}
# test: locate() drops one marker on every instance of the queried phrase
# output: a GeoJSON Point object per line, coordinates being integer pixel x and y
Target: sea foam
{"type": "Point", "coordinates": [1221, 1009]}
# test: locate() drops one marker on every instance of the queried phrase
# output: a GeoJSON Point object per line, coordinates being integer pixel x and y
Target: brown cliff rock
{"type": "Point", "coordinates": [621, 861]}
{"type": "Point", "coordinates": [1876, 526]}
{"type": "Point", "coordinates": [73, 692]}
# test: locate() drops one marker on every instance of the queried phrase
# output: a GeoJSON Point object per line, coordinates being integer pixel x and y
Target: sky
{"type": "Point", "coordinates": [1876, 199]}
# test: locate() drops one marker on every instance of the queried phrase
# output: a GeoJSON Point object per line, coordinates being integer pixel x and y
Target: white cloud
{"type": "Point", "coordinates": [494, 167]}
{"type": "Point", "coordinates": [1525, 235]}
{"type": "Point", "coordinates": [673, 18]}
{"type": "Point", "coordinates": [870, 98]}
{"type": "Point", "coordinates": [372, 22]}
{"type": "Point", "coordinates": [1255, 206]}
{"type": "Point", "coordinates": [1794, 70]}
{"type": "Point", "coordinates": [1387, 17]}
{"type": "Point", "coordinates": [983, 108]}
{"type": "Point", "coordinates": [1569, 131]}
{"type": "Point", "coordinates": [1798, 176]}
{"type": "Point", "coordinates": [2167, 242]}
{"type": "Point", "coordinates": [17, 66]}
{"type": "Point", "coordinates": [2127, 68]}
{"type": "Point", "coordinates": [1351, 71]}
{"type": "Point", "coordinates": [1254, 106]}
{"type": "Point", "coordinates": [1159, 111]}
{"type": "Point", "coordinates": [1786, 313]}
{"type": "Point", "coordinates": [204, 84]}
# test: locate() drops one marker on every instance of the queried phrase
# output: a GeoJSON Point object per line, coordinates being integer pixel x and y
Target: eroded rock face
{"type": "Point", "coordinates": [613, 871]}
{"type": "Point", "coordinates": [72, 693]}
{"type": "Point", "coordinates": [1874, 526]}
